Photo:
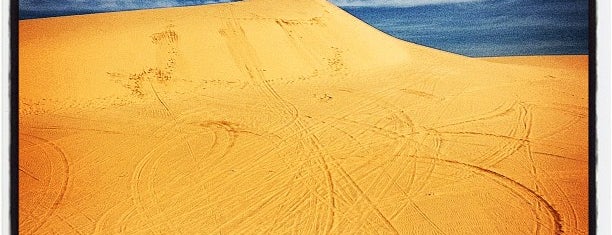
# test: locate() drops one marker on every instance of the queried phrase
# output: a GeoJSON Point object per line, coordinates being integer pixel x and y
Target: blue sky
{"type": "Point", "coordinates": [488, 28]}
{"type": "Point", "coordinates": [117, 5]}
{"type": "Point", "coordinates": [396, 3]}
{"type": "Point", "coordinates": [104, 5]}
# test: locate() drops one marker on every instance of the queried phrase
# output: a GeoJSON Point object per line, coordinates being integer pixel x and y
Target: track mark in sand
{"type": "Point", "coordinates": [574, 215]}
{"type": "Point", "coordinates": [559, 156]}
{"type": "Point", "coordinates": [70, 225]}
{"type": "Point", "coordinates": [513, 186]}
{"type": "Point", "coordinates": [296, 30]}
{"type": "Point", "coordinates": [144, 189]}
{"type": "Point", "coordinates": [519, 133]}
{"type": "Point", "coordinates": [231, 130]}
{"type": "Point", "coordinates": [484, 134]}
{"type": "Point", "coordinates": [336, 62]}
{"type": "Point", "coordinates": [63, 161]}
{"type": "Point", "coordinates": [137, 179]}
{"type": "Point", "coordinates": [525, 121]}
{"type": "Point", "coordinates": [167, 53]}
{"type": "Point", "coordinates": [125, 216]}
{"type": "Point", "coordinates": [378, 99]}
{"type": "Point", "coordinates": [165, 37]}
{"type": "Point", "coordinates": [344, 174]}
{"type": "Point", "coordinates": [422, 214]}
{"type": "Point", "coordinates": [499, 111]}
{"type": "Point", "coordinates": [520, 130]}
{"type": "Point", "coordinates": [421, 94]}
{"type": "Point", "coordinates": [62, 128]}
{"type": "Point", "coordinates": [162, 72]}
{"type": "Point", "coordinates": [246, 57]}
{"type": "Point", "coordinates": [167, 142]}
{"type": "Point", "coordinates": [159, 99]}
{"type": "Point", "coordinates": [147, 168]}
{"type": "Point", "coordinates": [295, 37]}
{"type": "Point", "coordinates": [437, 142]}
{"type": "Point", "coordinates": [369, 201]}
{"type": "Point", "coordinates": [333, 165]}
{"type": "Point", "coordinates": [105, 217]}
{"type": "Point", "coordinates": [28, 174]}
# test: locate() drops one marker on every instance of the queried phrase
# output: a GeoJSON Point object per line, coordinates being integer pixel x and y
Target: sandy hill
{"type": "Point", "coordinates": [293, 117]}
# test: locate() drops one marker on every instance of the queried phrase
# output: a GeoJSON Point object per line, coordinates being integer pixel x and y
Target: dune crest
{"type": "Point", "coordinates": [268, 116]}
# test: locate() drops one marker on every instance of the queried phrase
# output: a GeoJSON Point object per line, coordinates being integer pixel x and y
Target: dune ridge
{"type": "Point", "coordinates": [294, 117]}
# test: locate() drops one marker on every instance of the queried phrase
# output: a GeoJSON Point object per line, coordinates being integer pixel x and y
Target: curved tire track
{"type": "Point", "coordinates": [59, 153]}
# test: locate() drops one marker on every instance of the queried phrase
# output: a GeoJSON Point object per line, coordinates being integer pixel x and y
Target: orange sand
{"type": "Point", "coordinates": [566, 62]}
{"type": "Point", "coordinates": [289, 116]}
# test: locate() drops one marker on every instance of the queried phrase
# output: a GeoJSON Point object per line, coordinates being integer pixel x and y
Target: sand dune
{"type": "Point", "coordinates": [565, 62]}
{"type": "Point", "coordinates": [289, 117]}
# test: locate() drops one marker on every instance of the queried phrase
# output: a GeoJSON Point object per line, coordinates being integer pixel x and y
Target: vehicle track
{"type": "Point", "coordinates": [513, 186]}
{"type": "Point", "coordinates": [63, 162]}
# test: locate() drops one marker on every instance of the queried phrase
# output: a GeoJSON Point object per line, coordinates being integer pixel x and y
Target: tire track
{"type": "Point", "coordinates": [65, 165]}
{"type": "Point", "coordinates": [574, 215]}
{"type": "Point", "coordinates": [136, 181]}
{"type": "Point", "coordinates": [245, 55]}
{"type": "Point", "coordinates": [513, 186]}
{"type": "Point", "coordinates": [149, 162]}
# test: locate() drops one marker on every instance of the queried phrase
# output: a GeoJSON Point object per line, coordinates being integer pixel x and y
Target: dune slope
{"type": "Point", "coordinates": [288, 117]}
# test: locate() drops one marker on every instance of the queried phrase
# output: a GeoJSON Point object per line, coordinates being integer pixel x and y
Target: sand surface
{"type": "Point", "coordinates": [566, 62]}
{"type": "Point", "coordinates": [289, 117]}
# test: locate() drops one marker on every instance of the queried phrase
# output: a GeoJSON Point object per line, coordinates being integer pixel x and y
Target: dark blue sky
{"type": "Point", "coordinates": [45, 8]}
{"type": "Point", "coordinates": [488, 28]}
{"type": "Point", "coordinates": [468, 27]}
{"type": "Point", "coordinates": [59, 6]}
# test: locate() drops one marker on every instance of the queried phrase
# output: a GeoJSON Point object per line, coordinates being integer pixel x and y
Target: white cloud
{"type": "Point", "coordinates": [396, 3]}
